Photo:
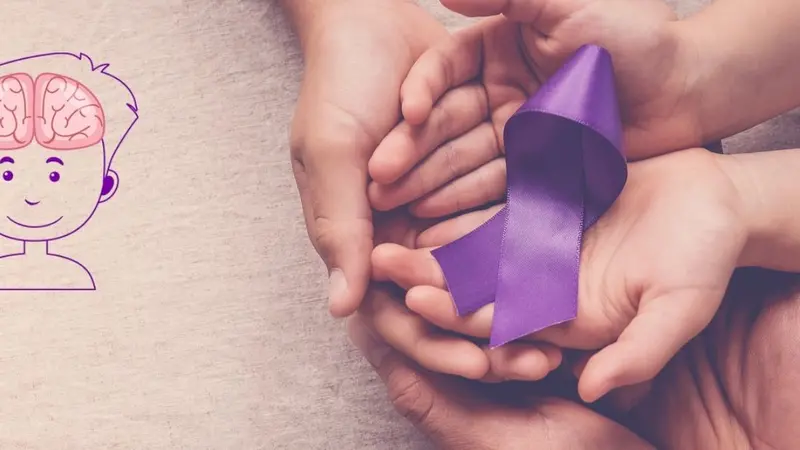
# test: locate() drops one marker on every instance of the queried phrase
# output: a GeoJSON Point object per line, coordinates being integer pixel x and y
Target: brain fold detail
{"type": "Point", "coordinates": [58, 112]}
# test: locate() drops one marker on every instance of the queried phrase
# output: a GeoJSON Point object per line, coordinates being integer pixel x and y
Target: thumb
{"type": "Point", "coordinates": [660, 329]}
{"type": "Point", "coordinates": [412, 391]}
{"type": "Point", "coordinates": [332, 180]}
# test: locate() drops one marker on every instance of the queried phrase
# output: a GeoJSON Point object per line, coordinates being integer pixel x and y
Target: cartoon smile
{"type": "Point", "coordinates": [34, 226]}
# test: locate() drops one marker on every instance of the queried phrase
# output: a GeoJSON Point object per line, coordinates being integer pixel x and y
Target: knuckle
{"type": "Point", "coordinates": [451, 160]}
{"type": "Point", "coordinates": [296, 144]}
{"type": "Point", "coordinates": [492, 144]}
{"type": "Point", "coordinates": [497, 132]}
{"type": "Point", "coordinates": [444, 118]}
{"type": "Point", "coordinates": [443, 62]}
{"type": "Point", "coordinates": [431, 279]}
{"type": "Point", "coordinates": [482, 101]}
{"type": "Point", "coordinates": [328, 137]}
{"type": "Point", "coordinates": [453, 198]}
{"type": "Point", "coordinates": [301, 178]}
{"type": "Point", "coordinates": [494, 181]}
{"type": "Point", "coordinates": [409, 398]}
{"type": "Point", "coordinates": [483, 185]}
{"type": "Point", "coordinates": [421, 180]}
{"type": "Point", "coordinates": [296, 133]}
{"type": "Point", "coordinates": [473, 101]}
{"type": "Point", "coordinates": [324, 237]}
{"type": "Point", "coordinates": [460, 200]}
{"type": "Point", "coordinates": [332, 147]}
{"type": "Point", "coordinates": [332, 235]}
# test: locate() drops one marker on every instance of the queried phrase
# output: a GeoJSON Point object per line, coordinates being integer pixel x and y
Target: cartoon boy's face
{"type": "Point", "coordinates": [52, 158]}
{"type": "Point", "coordinates": [47, 194]}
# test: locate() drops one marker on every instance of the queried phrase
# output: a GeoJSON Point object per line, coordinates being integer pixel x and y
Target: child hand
{"type": "Point", "coordinates": [653, 272]}
{"type": "Point", "coordinates": [414, 336]}
{"type": "Point", "coordinates": [458, 96]}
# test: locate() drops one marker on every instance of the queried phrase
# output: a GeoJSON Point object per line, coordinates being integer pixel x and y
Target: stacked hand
{"type": "Point", "coordinates": [721, 391]}
{"type": "Point", "coordinates": [629, 282]}
{"type": "Point", "coordinates": [653, 270]}
{"type": "Point", "coordinates": [458, 96]}
{"type": "Point", "coordinates": [732, 387]}
{"type": "Point", "coordinates": [357, 54]}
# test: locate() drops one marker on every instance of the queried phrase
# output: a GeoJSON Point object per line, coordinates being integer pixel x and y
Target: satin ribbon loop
{"type": "Point", "coordinates": [565, 168]}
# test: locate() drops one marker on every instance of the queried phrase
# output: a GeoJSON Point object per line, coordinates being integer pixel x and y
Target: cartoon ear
{"type": "Point", "coordinates": [110, 185]}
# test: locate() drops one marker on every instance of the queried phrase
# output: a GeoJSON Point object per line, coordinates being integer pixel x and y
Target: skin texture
{"type": "Point", "coordinates": [743, 51]}
{"type": "Point", "coordinates": [459, 95]}
{"type": "Point", "coordinates": [680, 84]}
{"type": "Point", "coordinates": [674, 415]}
{"type": "Point", "coordinates": [454, 413]}
{"type": "Point", "coordinates": [765, 179]}
{"type": "Point", "coordinates": [357, 53]}
{"type": "Point", "coordinates": [472, 359]}
{"type": "Point", "coordinates": [648, 282]}
{"type": "Point", "coordinates": [732, 387]}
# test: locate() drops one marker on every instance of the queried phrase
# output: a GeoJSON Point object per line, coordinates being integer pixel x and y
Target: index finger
{"type": "Point", "coordinates": [452, 63]}
{"type": "Point", "coordinates": [412, 336]}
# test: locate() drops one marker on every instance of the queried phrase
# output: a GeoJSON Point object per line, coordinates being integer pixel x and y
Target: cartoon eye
{"type": "Point", "coordinates": [8, 175]}
{"type": "Point", "coordinates": [54, 176]}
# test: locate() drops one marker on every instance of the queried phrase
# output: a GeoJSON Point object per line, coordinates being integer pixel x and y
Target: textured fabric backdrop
{"type": "Point", "coordinates": [209, 328]}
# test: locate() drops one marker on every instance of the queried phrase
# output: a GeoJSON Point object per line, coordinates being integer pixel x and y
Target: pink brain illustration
{"type": "Point", "coordinates": [59, 112]}
{"type": "Point", "coordinates": [16, 111]}
{"type": "Point", "coordinates": [68, 114]}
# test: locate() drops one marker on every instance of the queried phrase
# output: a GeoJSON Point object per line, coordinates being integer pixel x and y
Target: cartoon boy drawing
{"type": "Point", "coordinates": [62, 119]}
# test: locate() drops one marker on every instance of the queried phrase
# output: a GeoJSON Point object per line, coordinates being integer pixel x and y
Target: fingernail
{"type": "Point", "coordinates": [373, 349]}
{"type": "Point", "coordinates": [337, 286]}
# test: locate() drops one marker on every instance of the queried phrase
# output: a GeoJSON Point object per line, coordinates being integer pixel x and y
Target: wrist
{"type": "Point", "coordinates": [313, 20]}
{"type": "Point", "coordinates": [734, 60]}
{"type": "Point", "coordinates": [767, 221]}
{"type": "Point", "coordinates": [706, 72]}
{"type": "Point", "coordinates": [748, 209]}
{"type": "Point", "coordinates": [307, 15]}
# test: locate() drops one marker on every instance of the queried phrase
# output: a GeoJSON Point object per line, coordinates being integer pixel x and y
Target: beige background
{"type": "Point", "coordinates": [209, 327]}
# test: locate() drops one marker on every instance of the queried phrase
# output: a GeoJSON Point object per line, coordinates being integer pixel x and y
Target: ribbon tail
{"type": "Point", "coordinates": [540, 254]}
{"type": "Point", "coordinates": [565, 168]}
{"type": "Point", "coordinates": [470, 264]}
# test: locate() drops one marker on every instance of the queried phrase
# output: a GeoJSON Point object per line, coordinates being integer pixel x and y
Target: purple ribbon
{"type": "Point", "coordinates": [565, 168]}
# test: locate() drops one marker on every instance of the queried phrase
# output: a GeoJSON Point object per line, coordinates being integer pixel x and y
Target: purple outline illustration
{"type": "Point", "coordinates": [110, 185]}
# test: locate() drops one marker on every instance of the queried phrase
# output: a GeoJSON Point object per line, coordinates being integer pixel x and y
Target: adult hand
{"type": "Point", "coordinates": [735, 385]}
{"type": "Point", "coordinates": [357, 53]}
{"type": "Point", "coordinates": [458, 96]}
{"type": "Point", "coordinates": [453, 412]}
{"type": "Point", "coordinates": [446, 354]}
{"type": "Point", "coordinates": [731, 387]}
{"type": "Point", "coordinates": [649, 282]}
{"type": "Point", "coordinates": [460, 415]}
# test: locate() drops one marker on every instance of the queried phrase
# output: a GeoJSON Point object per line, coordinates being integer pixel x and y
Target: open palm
{"type": "Point", "coordinates": [734, 385]}
{"type": "Point", "coordinates": [731, 387]}
{"type": "Point", "coordinates": [512, 54]}
{"type": "Point", "coordinates": [459, 95]}
{"type": "Point", "coordinates": [457, 413]}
